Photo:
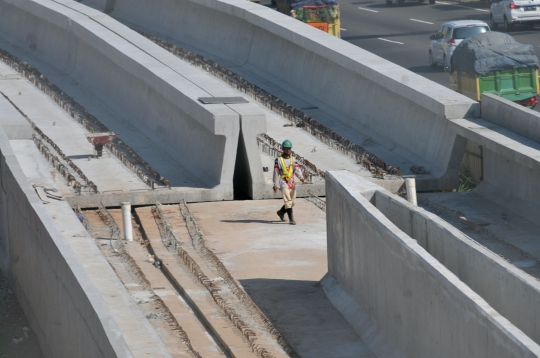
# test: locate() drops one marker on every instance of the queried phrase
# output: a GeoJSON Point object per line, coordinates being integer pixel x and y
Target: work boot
{"type": "Point", "coordinates": [281, 213]}
{"type": "Point", "coordinates": [291, 218]}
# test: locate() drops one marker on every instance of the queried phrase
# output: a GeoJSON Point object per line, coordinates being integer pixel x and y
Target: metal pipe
{"type": "Point", "coordinates": [126, 218]}
{"type": "Point", "coordinates": [410, 184]}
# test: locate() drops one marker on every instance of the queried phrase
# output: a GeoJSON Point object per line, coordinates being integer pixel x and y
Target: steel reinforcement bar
{"type": "Point", "coordinates": [117, 147]}
{"type": "Point", "coordinates": [249, 334]}
{"type": "Point", "coordinates": [54, 159]}
{"type": "Point", "coordinates": [107, 218]}
{"type": "Point", "coordinates": [370, 161]}
{"type": "Point", "coordinates": [215, 263]}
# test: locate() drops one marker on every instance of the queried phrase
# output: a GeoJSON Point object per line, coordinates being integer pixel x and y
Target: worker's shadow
{"type": "Point", "coordinates": [247, 221]}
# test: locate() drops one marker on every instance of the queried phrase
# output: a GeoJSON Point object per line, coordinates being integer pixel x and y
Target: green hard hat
{"type": "Point", "coordinates": [286, 144]}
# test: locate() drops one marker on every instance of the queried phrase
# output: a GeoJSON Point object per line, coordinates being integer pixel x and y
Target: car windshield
{"type": "Point", "coordinates": [464, 32]}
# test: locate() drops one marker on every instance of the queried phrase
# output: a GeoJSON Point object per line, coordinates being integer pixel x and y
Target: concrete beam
{"type": "Point", "coordinates": [155, 89]}
{"type": "Point", "coordinates": [52, 286]}
{"type": "Point", "coordinates": [423, 308]}
{"type": "Point", "coordinates": [354, 84]}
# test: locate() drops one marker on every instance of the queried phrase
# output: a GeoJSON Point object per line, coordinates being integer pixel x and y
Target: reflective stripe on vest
{"type": "Point", "coordinates": [287, 171]}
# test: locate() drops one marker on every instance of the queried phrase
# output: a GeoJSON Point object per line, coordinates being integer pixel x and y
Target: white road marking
{"type": "Point", "coordinates": [466, 7]}
{"type": "Point", "coordinates": [424, 22]}
{"type": "Point", "coordinates": [395, 42]}
{"type": "Point", "coordinates": [343, 29]}
{"type": "Point", "coordinates": [363, 8]}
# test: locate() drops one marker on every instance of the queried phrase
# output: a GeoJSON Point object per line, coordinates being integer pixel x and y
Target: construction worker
{"type": "Point", "coordinates": [285, 169]}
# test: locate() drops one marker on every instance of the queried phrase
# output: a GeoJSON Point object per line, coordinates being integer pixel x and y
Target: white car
{"type": "Point", "coordinates": [445, 40]}
{"type": "Point", "coordinates": [510, 12]}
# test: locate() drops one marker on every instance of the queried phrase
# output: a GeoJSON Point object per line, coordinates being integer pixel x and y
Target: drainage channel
{"type": "Point", "coordinates": [182, 287]}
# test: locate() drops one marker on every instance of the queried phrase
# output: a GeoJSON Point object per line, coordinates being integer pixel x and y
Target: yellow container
{"type": "Point", "coordinates": [334, 28]}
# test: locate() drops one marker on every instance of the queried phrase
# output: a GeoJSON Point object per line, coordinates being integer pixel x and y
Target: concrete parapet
{"type": "Point", "coordinates": [357, 85]}
{"type": "Point", "coordinates": [510, 165]}
{"type": "Point", "coordinates": [511, 116]}
{"type": "Point", "coordinates": [153, 87]}
{"type": "Point", "coordinates": [52, 286]}
{"type": "Point", "coordinates": [508, 289]}
{"type": "Point", "coordinates": [423, 308]}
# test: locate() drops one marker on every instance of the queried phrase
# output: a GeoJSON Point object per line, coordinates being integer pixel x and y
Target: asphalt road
{"type": "Point", "coordinates": [401, 34]}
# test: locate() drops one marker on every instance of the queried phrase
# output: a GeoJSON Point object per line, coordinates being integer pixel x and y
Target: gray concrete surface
{"type": "Point", "coordinates": [153, 89]}
{"type": "Point", "coordinates": [415, 300]}
{"type": "Point", "coordinates": [510, 291]}
{"type": "Point", "coordinates": [280, 266]}
{"type": "Point", "coordinates": [502, 263]}
{"type": "Point", "coordinates": [354, 86]}
{"type": "Point", "coordinates": [52, 286]}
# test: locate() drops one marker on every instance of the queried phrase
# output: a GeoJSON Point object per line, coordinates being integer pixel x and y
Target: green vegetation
{"type": "Point", "coordinates": [466, 182]}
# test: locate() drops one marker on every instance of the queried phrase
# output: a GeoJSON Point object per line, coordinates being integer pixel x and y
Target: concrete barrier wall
{"type": "Point", "coordinates": [512, 116]}
{"type": "Point", "coordinates": [424, 309]}
{"type": "Point", "coordinates": [357, 85]}
{"type": "Point", "coordinates": [510, 291]}
{"type": "Point", "coordinates": [68, 316]}
{"type": "Point", "coordinates": [125, 70]}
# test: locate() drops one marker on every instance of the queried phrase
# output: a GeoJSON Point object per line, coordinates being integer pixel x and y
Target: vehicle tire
{"type": "Point", "coordinates": [492, 23]}
{"type": "Point", "coordinates": [400, 2]}
{"type": "Point", "coordinates": [431, 2]}
{"type": "Point", "coordinates": [507, 25]}
{"type": "Point", "coordinates": [421, 1]}
{"type": "Point", "coordinates": [273, 3]}
{"type": "Point", "coordinates": [388, 2]}
{"type": "Point", "coordinates": [432, 63]}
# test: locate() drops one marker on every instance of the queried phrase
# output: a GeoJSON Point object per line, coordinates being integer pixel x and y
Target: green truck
{"type": "Point", "coordinates": [495, 63]}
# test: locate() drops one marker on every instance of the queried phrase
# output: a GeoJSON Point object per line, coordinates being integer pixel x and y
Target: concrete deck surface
{"type": "Point", "coordinates": [279, 265]}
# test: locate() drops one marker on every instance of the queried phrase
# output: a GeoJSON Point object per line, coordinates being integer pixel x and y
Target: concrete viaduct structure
{"type": "Point", "coordinates": [408, 282]}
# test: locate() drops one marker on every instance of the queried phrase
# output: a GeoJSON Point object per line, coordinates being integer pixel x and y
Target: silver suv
{"type": "Point", "coordinates": [445, 40]}
{"type": "Point", "coordinates": [510, 12]}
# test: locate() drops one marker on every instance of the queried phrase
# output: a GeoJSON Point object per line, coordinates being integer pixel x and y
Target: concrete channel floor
{"type": "Point", "coordinates": [502, 225]}
{"type": "Point", "coordinates": [279, 266]}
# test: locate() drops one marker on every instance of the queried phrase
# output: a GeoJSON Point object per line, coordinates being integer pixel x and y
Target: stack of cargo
{"type": "Point", "coordinates": [322, 14]}
{"type": "Point", "coordinates": [495, 63]}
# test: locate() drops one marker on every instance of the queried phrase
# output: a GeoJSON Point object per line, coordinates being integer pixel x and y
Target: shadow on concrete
{"type": "Point", "coordinates": [82, 156]}
{"type": "Point", "coordinates": [302, 313]}
{"type": "Point", "coordinates": [247, 221]}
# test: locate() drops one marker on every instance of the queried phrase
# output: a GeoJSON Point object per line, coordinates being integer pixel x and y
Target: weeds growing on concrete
{"type": "Point", "coordinates": [466, 182]}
